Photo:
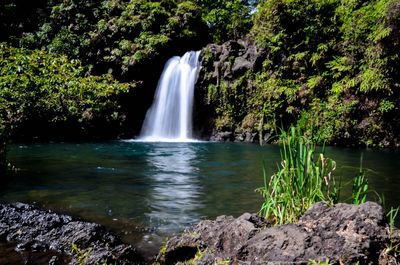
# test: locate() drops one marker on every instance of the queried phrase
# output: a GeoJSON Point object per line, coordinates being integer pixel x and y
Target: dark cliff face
{"type": "Point", "coordinates": [223, 110]}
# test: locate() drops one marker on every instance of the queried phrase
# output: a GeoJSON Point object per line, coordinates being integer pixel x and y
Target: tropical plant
{"type": "Point", "coordinates": [303, 178]}
{"type": "Point", "coordinates": [393, 246]}
{"type": "Point", "coordinates": [360, 186]}
{"type": "Point", "coordinates": [227, 20]}
{"type": "Point", "coordinates": [120, 35]}
{"type": "Point", "coordinates": [41, 91]}
{"type": "Point", "coordinates": [3, 139]}
{"type": "Point", "coordinates": [329, 63]}
{"type": "Point", "coordinates": [81, 255]}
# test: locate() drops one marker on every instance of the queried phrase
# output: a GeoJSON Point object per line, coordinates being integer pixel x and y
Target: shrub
{"type": "Point", "coordinates": [303, 179]}
{"type": "Point", "coordinates": [40, 89]}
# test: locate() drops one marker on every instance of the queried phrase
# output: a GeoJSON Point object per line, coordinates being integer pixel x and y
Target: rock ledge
{"type": "Point", "coordinates": [343, 234]}
{"type": "Point", "coordinates": [36, 230]}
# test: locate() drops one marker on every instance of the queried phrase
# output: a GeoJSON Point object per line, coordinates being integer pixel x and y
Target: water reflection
{"type": "Point", "coordinates": [175, 193]}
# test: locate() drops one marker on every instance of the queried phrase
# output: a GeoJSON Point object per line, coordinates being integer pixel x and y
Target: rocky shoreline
{"type": "Point", "coordinates": [342, 234]}
{"type": "Point", "coordinates": [65, 239]}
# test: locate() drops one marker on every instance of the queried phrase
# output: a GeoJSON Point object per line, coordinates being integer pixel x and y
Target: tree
{"type": "Point", "coordinates": [227, 19]}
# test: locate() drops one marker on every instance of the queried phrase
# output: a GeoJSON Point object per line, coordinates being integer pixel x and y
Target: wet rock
{"type": "Point", "coordinates": [9, 255]}
{"type": "Point", "coordinates": [221, 136]}
{"type": "Point", "coordinates": [344, 234]}
{"type": "Point", "coordinates": [219, 238]}
{"type": "Point", "coordinates": [33, 229]}
{"type": "Point", "coordinates": [230, 59]}
{"type": "Point", "coordinates": [247, 137]}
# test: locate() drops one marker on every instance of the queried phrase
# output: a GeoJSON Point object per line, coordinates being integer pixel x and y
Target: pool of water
{"type": "Point", "coordinates": [147, 191]}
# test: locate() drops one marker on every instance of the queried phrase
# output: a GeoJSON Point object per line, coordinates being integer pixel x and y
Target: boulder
{"type": "Point", "coordinates": [342, 234]}
{"type": "Point", "coordinates": [32, 229]}
{"type": "Point", "coordinates": [220, 238]}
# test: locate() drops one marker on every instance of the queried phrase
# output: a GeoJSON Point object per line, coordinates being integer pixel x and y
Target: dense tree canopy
{"type": "Point", "coordinates": [118, 35]}
{"type": "Point", "coordinates": [46, 95]}
{"type": "Point", "coordinates": [227, 19]}
{"type": "Point", "coordinates": [339, 58]}
{"type": "Point", "coordinates": [330, 66]}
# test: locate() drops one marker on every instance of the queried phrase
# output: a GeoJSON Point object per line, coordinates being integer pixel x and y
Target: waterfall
{"type": "Point", "coordinates": [170, 116]}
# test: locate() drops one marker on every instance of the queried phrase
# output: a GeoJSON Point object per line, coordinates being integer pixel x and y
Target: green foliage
{"type": "Point", "coordinates": [81, 255]}
{"type": "Point", "coordinates": [329, 63]}
{"type": "Point", "coordinates": [322, 120]}
{"type": "Point", "coordinates": [121, 35]}
{"type": "Point", "coordinates": [318, 262]}
{"type": "Point", "coordinates": [38, 88]}
{"type": "Point", "coordinates": [328, 67]}
{"type": "Point", "coordinates": [226, 19]}
{"type": "Point", "coordinates": [393, 246]}
{"type": "Point", "coordinates": [360, 187]}
{"type": "Point", "coordinates": [303, 179]}
{"type": "Point", "coordinates": [3, 140]}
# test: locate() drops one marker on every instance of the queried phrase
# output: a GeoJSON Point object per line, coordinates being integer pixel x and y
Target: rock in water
{"type": "Point", "coordinates": [343, 234]}
{"type": "Point", "coordinates": [33, 229]}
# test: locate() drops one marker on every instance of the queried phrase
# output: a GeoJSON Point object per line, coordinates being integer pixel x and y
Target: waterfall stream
{"type": "Point", "coordinates": [170, 116]}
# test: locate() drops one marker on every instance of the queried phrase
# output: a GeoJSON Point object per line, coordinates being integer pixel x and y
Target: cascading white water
{"type": "Point", "coordinates": [170, 116]}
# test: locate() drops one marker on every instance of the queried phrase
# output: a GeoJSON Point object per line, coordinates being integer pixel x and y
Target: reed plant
{"type": "Point", "coordinates": [81, 255]}
{"type": "Point", "coordinates": [393, 247]}
{"type": "Point", "coordinates": [304, 177]}
{"type": "Point", "coordinates": [359, 189]}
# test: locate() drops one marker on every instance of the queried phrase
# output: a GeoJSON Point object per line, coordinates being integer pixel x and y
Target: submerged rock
{"type": "Point", "coordinates": [36, 230]}
{"type": "Point", "coordinates": [343, 234]}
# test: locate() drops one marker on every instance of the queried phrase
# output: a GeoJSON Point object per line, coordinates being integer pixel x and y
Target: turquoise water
{"type": "Point", "coordinates": [147, 191]}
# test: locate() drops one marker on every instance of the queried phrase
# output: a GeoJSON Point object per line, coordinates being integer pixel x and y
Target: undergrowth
{"type": "Point", "coordinates": [303, 178]}
{"type": "Point", "coordinates": [393, 246]}
{"type": "Point", "coordinates": [81, 255]}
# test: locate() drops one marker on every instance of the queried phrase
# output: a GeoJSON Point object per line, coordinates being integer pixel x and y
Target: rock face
{"type": "Point", "coordinates": [231, 59]}
{"type": "Point", "coordinates": [343, 234]}
{"type": "Point", "coordinates": [223, 69]}
{"type": "Point", "coordinates": [33, 229]}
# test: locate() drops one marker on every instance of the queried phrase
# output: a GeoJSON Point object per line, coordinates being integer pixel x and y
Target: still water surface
{"type": "Point", "coordinates": [147, 191]}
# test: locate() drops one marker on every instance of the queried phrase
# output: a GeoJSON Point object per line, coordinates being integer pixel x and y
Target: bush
{"type": "Point", "coordinates": [41, 91]}
{"type": "Point", "coordinates": [330, 64]}
{"type": "Point", "coordinates": [303, 179]}
{"type": "Point", "coordinates": [123, 36]}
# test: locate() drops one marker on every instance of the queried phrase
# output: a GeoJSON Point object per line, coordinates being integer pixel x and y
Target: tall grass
{"type": "Point", "coordinates": [359, 189]}
{"type": "Point", "coordinates": [393, 246]}
{"type": "Point", "coordinates": [303, 178]}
